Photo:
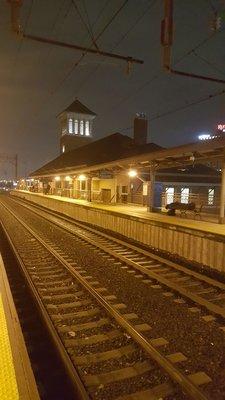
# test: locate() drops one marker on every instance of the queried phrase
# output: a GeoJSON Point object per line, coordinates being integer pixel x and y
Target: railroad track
{"type": "Point", "coordinates": [108, 353]}
{"type": "Point", "coordinates": [200, 289]}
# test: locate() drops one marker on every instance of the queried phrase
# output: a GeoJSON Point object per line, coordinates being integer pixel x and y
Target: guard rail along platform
{"type": "Point", "coordinates": [197, 241]}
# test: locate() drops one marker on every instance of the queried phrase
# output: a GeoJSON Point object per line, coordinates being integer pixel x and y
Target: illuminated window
{"type": "Point", "coordinates": [184, 195]}
{"type": "Point", "coordinates": [81, 127]}
{"type": "Point", "coordinates": [169, 195]}
{"type": "Point", "coordinates": [63, 148]}
{"type": "Point", "coordinates": [211, 193]}
{"type": "Point", "coordinates": [76, 127]}
{"type": "Point", "coordinates": [87, 128]}
{"type": "Point", "coordinates": [70, 125]}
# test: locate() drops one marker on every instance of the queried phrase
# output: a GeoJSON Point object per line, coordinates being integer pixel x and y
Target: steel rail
{"type": "Point", "coordinates": [183, 381]}
{"type": "Point", "coordinates": [77, 384]}
{"type": "Point", "coordinates": [177, 288]}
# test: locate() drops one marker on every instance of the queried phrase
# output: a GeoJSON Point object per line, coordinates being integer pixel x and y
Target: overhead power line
{"type": "Point", "coordinates": [191, 104]}
{"type": "Point", "coordinates": [159, 74]}
{"type": "Point", "coordinates": [212, 65]}
{"type": "Point", "coordinates": [130, 29]}
{"type": "Point", "coordinates": [75, 65]}
{"type": "Point", "coordinates": [87, 26]}
{"type": "Point", "coordinates": [181, 108]}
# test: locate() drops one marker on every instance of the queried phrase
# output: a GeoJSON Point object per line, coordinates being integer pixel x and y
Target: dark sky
{"type": "Point", "coordinates": [36, 81]}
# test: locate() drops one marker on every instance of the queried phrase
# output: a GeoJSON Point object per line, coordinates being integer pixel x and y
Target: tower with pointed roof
{"type": "Point", "coordinates": [75, 126]}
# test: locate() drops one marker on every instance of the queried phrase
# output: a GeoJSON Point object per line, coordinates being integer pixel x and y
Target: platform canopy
{"type": "Point", "coordinates": [141, 157]}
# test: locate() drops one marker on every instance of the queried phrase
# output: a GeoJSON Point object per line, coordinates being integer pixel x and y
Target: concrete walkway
{"type": "Point", "coordinates": [210, 226]}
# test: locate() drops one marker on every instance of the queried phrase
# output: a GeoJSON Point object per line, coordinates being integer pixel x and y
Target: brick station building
{"type": "Point", "coordinates": [121, 169]}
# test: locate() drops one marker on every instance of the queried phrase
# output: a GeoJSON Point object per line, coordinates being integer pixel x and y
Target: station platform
{"type": "Point", "coordinates": [195, 240]}
{"type": "Point", "coordinates": [208, 223]}
{"type": "Point", "coordinates": [16, 376]}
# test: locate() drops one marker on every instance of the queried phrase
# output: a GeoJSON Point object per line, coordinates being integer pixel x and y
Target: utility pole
{"type": "Point", "coordinates": [167, 29]}
{"type": "Point", "coordinates": [167, 33]}
{"type": "Point", "coordinates": [16, 167]}
{"type": "Point", "coordinates": [15, 15]}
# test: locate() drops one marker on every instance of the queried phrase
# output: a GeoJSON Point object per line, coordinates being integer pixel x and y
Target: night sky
{"type": "Point", "coordinates": [37, 81]}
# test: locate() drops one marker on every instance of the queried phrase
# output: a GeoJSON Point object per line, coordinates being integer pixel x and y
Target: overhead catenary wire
{"type": "Point", "coordinates": [181, 108]}
{"type": "Point", "coordinates": [159, 73]}
{"type": "Point", "coordinates": [130, 29]}
{"type": "Point", "coordinates": [212, 65]}
{"type": "Point", "coordinates": [88, 19]}
{"type": "Point", "coordinates": [75, 65]}
{"type": "Point", "coordinates": [87, 26]}
{"type": "Point", "coordinates": [191, 104]}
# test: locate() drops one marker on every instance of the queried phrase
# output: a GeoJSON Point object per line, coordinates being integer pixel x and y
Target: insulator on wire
{"type": "Point", "coordinates": [128, 67]}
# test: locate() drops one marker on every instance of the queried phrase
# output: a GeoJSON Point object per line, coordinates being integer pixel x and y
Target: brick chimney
{"type": "Point", "coordinates": [140, 129]}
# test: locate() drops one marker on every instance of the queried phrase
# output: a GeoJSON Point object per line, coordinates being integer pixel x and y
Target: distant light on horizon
{"type": "Point", "coordinates": [205, 136]}
{"type": "Point", "coordinates": [221, 127]}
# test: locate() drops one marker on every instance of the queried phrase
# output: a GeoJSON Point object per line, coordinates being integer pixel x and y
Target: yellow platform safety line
{"type": "Point", "coordinates": [8, 383]}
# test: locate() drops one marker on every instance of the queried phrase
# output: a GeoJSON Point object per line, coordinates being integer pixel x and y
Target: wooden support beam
{"type": "Point", "coordinates": [83, 49]}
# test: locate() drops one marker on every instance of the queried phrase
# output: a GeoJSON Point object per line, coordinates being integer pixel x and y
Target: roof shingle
{"type": "Point", "coordinates": [79, 108]}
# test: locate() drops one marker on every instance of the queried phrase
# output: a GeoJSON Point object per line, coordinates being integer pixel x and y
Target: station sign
{"type": "Point", "coordinates": [105, 175]}
{"type": "Point", "coordinates": [221, 127]}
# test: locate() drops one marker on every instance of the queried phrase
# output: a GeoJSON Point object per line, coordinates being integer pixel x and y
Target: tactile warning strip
{"type": "Point", "coordinates": [8, 384]}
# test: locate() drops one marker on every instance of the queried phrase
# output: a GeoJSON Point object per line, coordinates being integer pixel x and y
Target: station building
{"type": "Point", "coordinates": [121, 169]}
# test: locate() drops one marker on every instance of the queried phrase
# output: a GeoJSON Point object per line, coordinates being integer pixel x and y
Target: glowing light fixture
{"type": "Point", "coordinates": [132, 173]}
{"type": "Point", "coordinates": [68, 178]}
{"type": "Point", "coordinates": [57, 178]}
{"type": "Point", "coordinates": [81, 177]}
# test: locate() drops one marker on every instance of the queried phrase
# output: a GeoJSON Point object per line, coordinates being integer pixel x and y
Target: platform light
{"type": "Point", "coordinates": [68, 178]}
{"type": "Point", "coordinates": [82, 177]}
{"type": "Point", "coordinates": [132, 173]}
{"type": "Point", "coordinates": [57, 178]}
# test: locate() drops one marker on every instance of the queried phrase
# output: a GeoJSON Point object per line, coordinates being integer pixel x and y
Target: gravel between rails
{"type": "Point", "coordinates": [202, 343]}
{"type": "Point", "coordinates": [153, 377]}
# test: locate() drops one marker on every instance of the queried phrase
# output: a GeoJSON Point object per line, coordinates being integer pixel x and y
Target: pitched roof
{"type": "Point", "coordinates": [109, 148]}
{"type": "Point", "coordinates": [79, 108]}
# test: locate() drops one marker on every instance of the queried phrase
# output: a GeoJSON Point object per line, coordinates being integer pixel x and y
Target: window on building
{"type": "Point", "coordinates": [82, 185]}
{"type": "Point", "coordinates": [95, 184]}
{"type": "Point", "coordinates": [81, 127]}
{"type": "Point", "coordinates": [87, 128]}
{"type": "Point", "coordinates": [63, 148]}
{"type": "Point", "coordinates": [211, 193]}
{"type": "Point", "coordinates": [76, 127]}
{"type": "Point", "coordinates": [124, 189]}
{"type": "Point", "coordinates": [70, 125]}
{"type": "Point", "coordinates": [184, 195]}
{"type": "Point", "coordinates": [169, 195]}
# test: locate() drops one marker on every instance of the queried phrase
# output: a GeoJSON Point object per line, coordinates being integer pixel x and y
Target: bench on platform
{"type": "Point", "coordinates": [184, 209]}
